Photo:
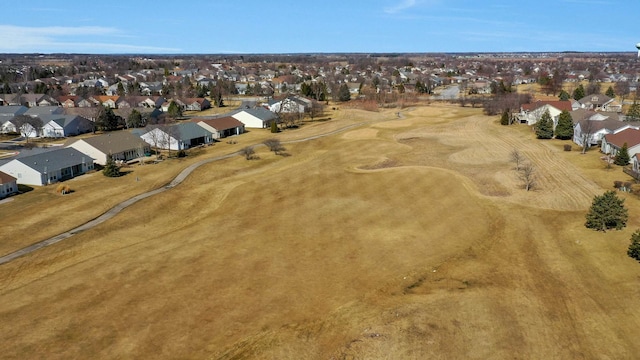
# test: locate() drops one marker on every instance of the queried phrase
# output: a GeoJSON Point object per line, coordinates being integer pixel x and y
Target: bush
{"type": "Point", "coordinates": [63, 189]}
{"type": "Point", "coordinates": [567, 147]}
{"type": "Point", "coordinates": [634, 247]}
{"type": "Point", "coordinates": [181, 154]}
{"type": "Point", "coordinates": [617, 184]}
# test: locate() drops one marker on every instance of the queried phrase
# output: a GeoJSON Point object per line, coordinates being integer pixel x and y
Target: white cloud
{"type": "Point", "coordinates": [67, 39]}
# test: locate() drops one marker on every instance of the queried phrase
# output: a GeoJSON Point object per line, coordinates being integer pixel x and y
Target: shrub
{"type": "Point", "coordinates": [617, 184]}
{"type": "Point", "coordinates": [634, 247]}
{"type": "Point", "coordinates": [181, 154]}
{"type": "Point", "coordinates": [567, 147]}
{"type": "Point", "coordinates": [63, 189]}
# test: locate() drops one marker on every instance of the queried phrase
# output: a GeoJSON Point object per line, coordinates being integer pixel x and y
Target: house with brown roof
{"type": "Point", "coordinates": [104, 100]}
{"type": "Point", "coordinates": [221, 127]}
{"type": "Point", "coordinates": [121, 145]}
{"type": "Point", "coordinates": [8, 185]}
{"type": "Point", "coordinates": [612, 143]}
{"type": "Point", "coordinates": [68, 101]}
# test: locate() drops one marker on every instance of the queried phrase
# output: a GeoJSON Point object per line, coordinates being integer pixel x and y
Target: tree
{"type": "Point", "coordinates": [527, 175]}
{"type": "Point", "coordinates": [634, 247]}
{"type": "Point", "coordinates": [622, 157]}
{"type": "Point", "coordinates": [607, 212]}
{"type": "Point", "coordinates": [274, 145]}
{"type": "Point", "coordinates": [517, 158]}
{"type": "Point", "coordinates": [564, 129]}
{"type": "Point", "coordinates": [544, 126]}
{"type": "Point", "coordinates": [564, 96]}
{"type": "Point", "coordinates": [610, 93]}
{"type": "Point", "coordinates": [107, 120]}
{"type": "Point", "coordinates": [110, 168]}
{"type": "Point", "coordinates": [248, 152]}
{"type": "Point", "coordinates": [27, 126]}
{"type": "Point", "coordinates": [504, 119]}
{"type": "Point", "coordinates": [274, 127]}
{"type": "Point", "coordinates": [586, 130]}
{"type": "Point", "coordinates": [633, 114]}
{"type": "Point", "coordinates": [135, 119]}
{"type": "Point", "coordinates": [578, 93]}
{"type": "Point", "coordinates": [622, 89]}
{"type": "Point", "coordinates": [343, 93]}
{"type": "Point", "coordinates": [174, 110]}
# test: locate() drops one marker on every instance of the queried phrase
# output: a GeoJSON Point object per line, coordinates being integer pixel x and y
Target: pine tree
{"type": "Point", "coordinates": [634, 247]}
{"type": "Point", "coordinates": [274, 127]}
{"type": "Point", "coordinates": [344, 94]}
{"type": "Point", "coordinates": [634, 112]}
{"type": "Point", "coordinates": [564, 129]}
{"type": "Point", "coordinates": [504, 119]}
{"type": "Point", "coordinates": [610, 93]}
{"type": "Point", "coordinates": [110, 168]}
{"type": "Point", "coordinates": [544, 126]}
{"type": "Point", "coordinates": [607, 212]}
{"type": "Point", "coordinates": [622, 156]}
{"type": "Point", "coordinates": [564, 96]}
{"type": "Point", "coordinates": [578, 93]}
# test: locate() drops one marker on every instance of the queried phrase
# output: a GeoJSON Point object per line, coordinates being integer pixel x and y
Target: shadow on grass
{"type": "Point", "coordinates": [24, 188]}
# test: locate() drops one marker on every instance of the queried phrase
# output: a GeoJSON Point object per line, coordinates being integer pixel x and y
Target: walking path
{"type": "Point", "coordinates": [123, 205]}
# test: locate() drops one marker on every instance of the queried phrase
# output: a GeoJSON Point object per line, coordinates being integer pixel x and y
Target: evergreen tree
{"type": "Point", "coordinates": [107, 120]}
{"type": "Point", "coordinates": [564, 96]}
{"type": "Point", "coordinates": [578, 93]}
{"type": "Point", "coordinates": [135, 119]}
{"type": "Point", "coordinates": [504, 119]}
{"type": "Point", "coordinates": [622, 156]}
{"type": "Point", "coordinates": [544, 126]}
{"type": "Point", "coordinates": [564, 129]}
{"type": "Point", "coordinates": [344, 94]}
{"type": "Point", "coordinates": [634, 247]}
{"type": "Point", "coordinates": [633, 114]}
{"type": "Point", "coordinates": [610, 93]}
{"type": "Point", "coordinates": [174, 111]}
{"type": "Point", "coordinates": [274, 127]}
{"type": "Point", "coordinates": [111, 169]}
{"type": "Point", "coordinates": [607, 212]}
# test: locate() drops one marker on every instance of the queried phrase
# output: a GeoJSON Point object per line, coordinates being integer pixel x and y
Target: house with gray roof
{"type": "Point", "coordinates": [59, 126]}
{"type": "Point", "coordinates": [121, 145]}
{"type": "Point", "coordinates": [48, 167]}
{"type": "Point", "coordinates": [180, 136]}
{"type": "Point", "coordinates": [44, 110]}
{"type": "Point", "coordinates": [254, 118]}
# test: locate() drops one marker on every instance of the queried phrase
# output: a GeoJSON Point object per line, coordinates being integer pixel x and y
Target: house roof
{"type": "Point", "coordinates": [44, 110]}
{"type": "Point", "coordinates": [13, 110]}
{"type": "Point", "coordinates": [113, 142]}
{"type": "Point", "coordinates": [6, 178]}
{"type": "Point", "coordinates": [629, 136]}
{"type": "Point", "coordinates": [55, 159]}
{"type": "Point", "coordinates": [220, 124]}
{"type": "Point", "coordinates": [259, 112]}
{"type": "Point", "coordinates": [595, 99]}
{"type": "Point", "coordinates": [562, 105]}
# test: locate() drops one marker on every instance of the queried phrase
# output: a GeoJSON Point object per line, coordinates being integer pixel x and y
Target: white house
{"type": "Point", "coordinates": [8, 185]}
{"type": "Point", "coordinates": [255, 118]}
{"type": "Point", "coordinates": [180, 136]}
{"type": "Point", "coordinates": [531, 113]}
{"type": "Point", "coordinates": [121, 145]}
{"type": "Point", "coordinates": [595, 125]}
{"type": "Point", "coordinates": [287, 105]}
{"type": "Point", "coordinates": [221, 127]}
{"type": "Point", "coordinates": [59, 126]}
{"type": "Point", "coordinates": [48, 167]}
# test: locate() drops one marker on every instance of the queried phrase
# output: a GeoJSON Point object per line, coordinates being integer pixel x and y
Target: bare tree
{"type": "Point", "coordinates": [586, 130]}
{"type": "Point", "coordinates": [527, 175]}
{"type": "Point", "coordinates": [27, 126]}
{"type": "Point", "coordinates": [516, 157]}
{"type": "Point", "coordinates": [248, 152]}
{"type": "Point", "coordinates": [274, 145]}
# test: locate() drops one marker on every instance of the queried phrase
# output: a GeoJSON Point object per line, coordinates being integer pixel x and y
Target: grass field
{"type": "Point", "coordinates": [396, 238]}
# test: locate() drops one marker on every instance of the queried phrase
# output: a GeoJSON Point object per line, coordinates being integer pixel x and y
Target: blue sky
{"type": "Point", "coordinates": [287, 26]}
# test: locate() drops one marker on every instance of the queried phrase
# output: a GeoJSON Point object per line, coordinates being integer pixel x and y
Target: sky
{"type": "Point", "coordinates": [319, 26]}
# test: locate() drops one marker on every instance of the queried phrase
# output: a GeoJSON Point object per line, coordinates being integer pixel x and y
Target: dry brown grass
{"type": "Point", "coordinates": [395, 239]}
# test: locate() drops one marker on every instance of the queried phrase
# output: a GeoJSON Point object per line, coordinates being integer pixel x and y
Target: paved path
{"type": "Point", "coordinates": [123, 205]}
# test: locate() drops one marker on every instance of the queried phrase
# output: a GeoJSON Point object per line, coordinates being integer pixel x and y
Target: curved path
{"type": "Point", "coordinates": [123, 205]}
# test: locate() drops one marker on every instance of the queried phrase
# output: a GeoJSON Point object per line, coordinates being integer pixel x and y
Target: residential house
{"type": "Point", "coordinates": [40, 111]}
{"type": "Point", "coordinates": [600, 102]}
{"type": "Point", "coordinates": [180, 136]}
{"type": "Point", "coordinates": [7, 113]}
{"type": "Point", "coordinates": [8, 185]}
{"type": "Point", "coordinates": [259, 117]}
{"type": "Point", "coordinates": [531, 113]}
{"type": "Point", "coordinates": [48, 167]}
{"type": "Point", "coordinates": [221, 127]}
{"type": "Point", "coordinates": [612, 143]}
{"type": "Point", "coordinates": [290, 104]}
{"type": "Point", "coordinates": [196, 104]}
{"type": "Point", "coordinates": [68, 101]}
{"type": "Point", "coordinates": [121, 145]}
{"type": "Point", "coordinates": [59, 126]}
{"type": "Point", "coordinates": [592, 126]}
{"type": "Point", "coordinates": [105, 100]}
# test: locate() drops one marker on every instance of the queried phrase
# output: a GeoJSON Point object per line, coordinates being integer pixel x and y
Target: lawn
{"type": "Point", "coordinates": [393, 238]}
